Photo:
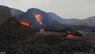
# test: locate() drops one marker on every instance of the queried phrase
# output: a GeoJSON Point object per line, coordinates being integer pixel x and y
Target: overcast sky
{"type": "Point", "coordinates": [64, 8]}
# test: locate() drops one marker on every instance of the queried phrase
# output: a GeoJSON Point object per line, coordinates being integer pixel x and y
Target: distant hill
{"type": "Point", "coordinates": [90, 21]}
{"type": "Point", "coordinates": [64, 21]}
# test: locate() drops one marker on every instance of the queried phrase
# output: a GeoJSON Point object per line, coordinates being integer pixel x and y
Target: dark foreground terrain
{"type": "Point", "coordinates": [45, 43]}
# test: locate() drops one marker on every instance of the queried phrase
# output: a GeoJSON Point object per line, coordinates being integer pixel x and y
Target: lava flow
{"type": "Point", "coordinates": [25, 23]}
{"type": "Point", "coordinates": [38, 19]}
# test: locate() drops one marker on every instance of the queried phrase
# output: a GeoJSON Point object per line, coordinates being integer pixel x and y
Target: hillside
{"type": "Point", "coordinates": [90, 21]}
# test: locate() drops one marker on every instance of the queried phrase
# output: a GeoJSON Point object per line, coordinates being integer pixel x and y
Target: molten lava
{"type": "Point", "coordinates": [25, 23]}
{"type": "Point", "coordinates": [72, 37]}
{"type": "Point", "coordinates": [38, 19]}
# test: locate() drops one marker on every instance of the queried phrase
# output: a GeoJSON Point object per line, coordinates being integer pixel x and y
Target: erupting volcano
{"type": "Point", "coordinates": [39, 20]}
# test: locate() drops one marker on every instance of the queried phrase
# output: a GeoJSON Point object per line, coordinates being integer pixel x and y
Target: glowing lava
{"type": "Point", "coordinates": [25, 23]}
{"type": "Point", "coordinates": [38, 19]}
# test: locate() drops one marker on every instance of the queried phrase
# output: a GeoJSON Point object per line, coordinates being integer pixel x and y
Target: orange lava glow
{"type": "Point", "coordinates": [25, 23]}
{"type": "Point", "coordinates": [38, 18]}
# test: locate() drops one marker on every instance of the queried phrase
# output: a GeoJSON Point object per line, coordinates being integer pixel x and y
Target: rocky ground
{"type": "Point", "coordinates": [45, 43]}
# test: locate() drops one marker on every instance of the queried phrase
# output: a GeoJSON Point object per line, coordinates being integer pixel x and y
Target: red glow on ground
{"type": "Point", "coordinates": [72, 37]}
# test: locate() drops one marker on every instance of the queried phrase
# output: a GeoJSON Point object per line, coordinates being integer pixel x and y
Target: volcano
{"type": "Point", "coordinates": [38, 19]}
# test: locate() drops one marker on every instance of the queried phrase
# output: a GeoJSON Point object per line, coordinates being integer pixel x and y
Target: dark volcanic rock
{"type": "Point", "coordinates": [49, 43]}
